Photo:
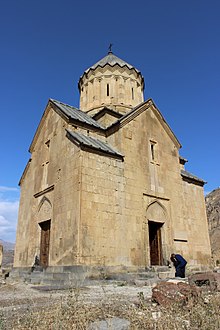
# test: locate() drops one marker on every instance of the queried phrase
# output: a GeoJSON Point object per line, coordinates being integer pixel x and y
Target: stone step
{"type": "Point", "coordinates": [74, 276]}
{"type": "Point", "coordinates": [34, 280]}
{"type": "Point", "coordinates": [158, 269]}
{"type": "Point", "coordinates": [36, 275]}
{"type": "Point", "coordinates": [38, 269]}
{"type": "Point", "coordinates": [165, 275]}
{"type": "Point", "coordinates": [146, 275]}
{"type": "Point", "coordinates": [52, 282]}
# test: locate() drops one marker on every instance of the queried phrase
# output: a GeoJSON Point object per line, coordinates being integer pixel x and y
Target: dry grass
{"type": "Point", "coordinates": [72, 313]}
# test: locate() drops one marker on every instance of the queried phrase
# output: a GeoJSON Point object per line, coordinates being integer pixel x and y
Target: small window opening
{"type": "Point", "coordinates": [132, 93]}
{"type": "Point", "coordinates": [153, 150]}
{"type": "Point", "coordinates": [82, 89]}
{"type": "Point", "coordinates": [107, 89]}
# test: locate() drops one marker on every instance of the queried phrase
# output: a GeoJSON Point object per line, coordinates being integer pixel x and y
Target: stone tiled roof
{"type": "Point", "coordinates": [92, 143]}
{"type": "Point", "coordinates": [76, 114]}
{"type": "Point", "coordinates": [112, 60]}
{"type": "Point", "coordinates": [192, 177]}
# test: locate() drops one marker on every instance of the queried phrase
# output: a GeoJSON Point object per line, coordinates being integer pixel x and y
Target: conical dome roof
{"type": "Point", "coordinates": [112, 60]}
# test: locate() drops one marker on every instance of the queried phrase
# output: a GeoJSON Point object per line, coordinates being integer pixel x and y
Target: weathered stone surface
{"type": "Point", "coordinates": [113, 323]}
{"type": "Point", "coordinates": [99, 209]}
{"type": "Point", "coordinates": [207, 280]}
{"type": "Point", "coordinates": [166, 293]}
{"type": "Point", "coordinates": [213, 213]}
{"type": "Point", "coordinates": [1, 254]}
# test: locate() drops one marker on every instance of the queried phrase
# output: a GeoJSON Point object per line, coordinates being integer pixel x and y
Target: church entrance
{"type": "Point", "coordinates": [155, 243]}
{"type": "Point", "coordinates": [44, 243]}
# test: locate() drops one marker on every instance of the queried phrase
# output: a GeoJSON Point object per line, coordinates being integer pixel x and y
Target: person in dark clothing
{"type": "Point", "coordinates": [179, 263]}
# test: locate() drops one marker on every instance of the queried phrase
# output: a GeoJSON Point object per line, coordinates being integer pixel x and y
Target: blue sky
{"type": "Point", "coordinates": [45, 46]}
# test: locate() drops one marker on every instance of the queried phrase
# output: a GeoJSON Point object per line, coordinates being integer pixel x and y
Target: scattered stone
{"type": "Point", "coordinates": [156, 315]}
{"type": "Point", "coordinates": [140, 283]}
{"type": "Point", "coordinates": [166, 275]}
{"type": "Point", "coordinates": [166, 293]}
{"type": "Point", "coordinates": [209, 281]}
{"type": "Point", "coordinates": [177, 280]}
{"type": "Point", "coordinates": [114, 323]}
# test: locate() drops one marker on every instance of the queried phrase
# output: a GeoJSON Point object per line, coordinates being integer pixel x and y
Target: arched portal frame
{"type": "Point", "coordinates": [44, 225]}
{"type": "Point", "coordinates": [155, 236]}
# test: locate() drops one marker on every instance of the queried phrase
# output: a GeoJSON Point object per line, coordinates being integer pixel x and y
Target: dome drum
{"type": "Point", "coordinates": [116, 86]}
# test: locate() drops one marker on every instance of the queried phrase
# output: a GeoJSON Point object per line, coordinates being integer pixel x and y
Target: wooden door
{"type": "Point", "coordinates": [44, 243]}
{"type": "Point", "coordinates": [155, 243]}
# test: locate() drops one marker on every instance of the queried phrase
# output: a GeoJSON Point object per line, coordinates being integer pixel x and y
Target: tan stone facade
{"type": "Point", "coordinates": [106, 185]}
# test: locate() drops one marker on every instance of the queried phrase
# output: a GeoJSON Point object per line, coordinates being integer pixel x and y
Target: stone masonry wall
{"type": "Point", "coordinates": [55, 166]}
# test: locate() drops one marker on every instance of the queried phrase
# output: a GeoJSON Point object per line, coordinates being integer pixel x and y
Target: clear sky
{"type": "Point", "coordinates": [46, 45]}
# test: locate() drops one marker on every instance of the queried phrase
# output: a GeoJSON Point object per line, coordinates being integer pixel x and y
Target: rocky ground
{"type": "Point", "coordinates": [18, 300]}
{"type": "Point", "coordinates": [113, 305]}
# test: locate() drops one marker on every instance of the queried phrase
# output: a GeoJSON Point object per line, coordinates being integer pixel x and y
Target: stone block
{"type": "Point", "coordinates": [52, 282]}
{"type": "Point", "coordinates": [110, 323]}
{"type": "Point", "coordinates": [206, 280]}
{"type": "Point", "coordinates": [166, 293]}
{"type": "Point", "coordinates": [164, 275]}
{"type": "Point", "coordinates": [61, 276]}
{"type": "Point", "coordinates": [34, 280]}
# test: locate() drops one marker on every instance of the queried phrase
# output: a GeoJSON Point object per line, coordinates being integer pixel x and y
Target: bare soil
{"type": "Point", "coordinates": [18, 299]}
{"type": "Point", "coordinates": [24, 306]}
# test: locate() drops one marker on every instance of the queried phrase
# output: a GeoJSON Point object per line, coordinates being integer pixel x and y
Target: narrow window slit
{"type": "Point", "coordinates": [152, 151]}
{"type": "Point", "coordinates": [132, 93]}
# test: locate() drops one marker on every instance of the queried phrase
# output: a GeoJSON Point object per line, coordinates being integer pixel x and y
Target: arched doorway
{"type": "Point", "coordinates": [154, 229]}
{"type": "Point", "coordinates": [44, 216]}
{"type": "Point", "coordinates": [44, 243]}
{"type": "Point", "coordinates": [156, 218]}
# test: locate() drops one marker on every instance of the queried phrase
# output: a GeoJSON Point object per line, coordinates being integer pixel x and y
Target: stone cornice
{"type": "Point", "coordinates": [44, 191]}
{"type": "Point", "coordinates": [156, 196]}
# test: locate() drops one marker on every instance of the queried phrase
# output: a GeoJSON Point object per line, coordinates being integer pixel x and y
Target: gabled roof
{"type": "Point", "coordinates": [191, 178]}
{"type": "Point", "coordinates": [108, 111]}
{"type": "Point", "coordinates": [75, 114]}
{"type": "Point", "coordinates": [25, 171]}
{"type": "Point", "coordinates": [89, 142]}
{"type": "Point", "coordinates": [80, 118]}
{"type": "Point", "coordinates": [70, 114]}
{"type": "Point", "coordinates": [140, 108]}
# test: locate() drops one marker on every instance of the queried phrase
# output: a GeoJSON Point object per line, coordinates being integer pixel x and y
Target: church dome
{"type": "Point", "coordinates": [112, 60]}
{"type": "Point", "coordinates": [111, 83]}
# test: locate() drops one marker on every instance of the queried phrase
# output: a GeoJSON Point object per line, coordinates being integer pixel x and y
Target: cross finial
{"type": "Point", "coordinates": [110, 49]}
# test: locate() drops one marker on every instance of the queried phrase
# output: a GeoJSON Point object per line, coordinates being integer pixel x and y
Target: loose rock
{"type": "Point", "coordinates": [166, 293]}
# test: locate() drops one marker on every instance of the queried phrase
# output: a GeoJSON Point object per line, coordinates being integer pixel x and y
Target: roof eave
{"type": "Point", "coordinates": [86, 73]}
{"type": "Point", "coordinates": [43, 117]}
{"type": "Point", "coordinates": [86, 147]}
{"type": "Point", "coordinates": [25, 171]}
{"type": "Point", "coordinates": [190, 178]}
{"type": "Point", "coordinates": [75, 121]}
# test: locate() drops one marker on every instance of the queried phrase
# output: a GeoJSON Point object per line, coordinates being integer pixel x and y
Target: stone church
{"type": "Point", "coordinates": [106, 185]}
